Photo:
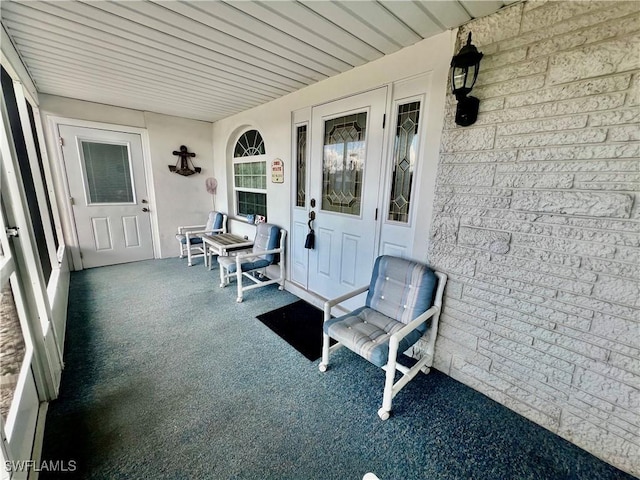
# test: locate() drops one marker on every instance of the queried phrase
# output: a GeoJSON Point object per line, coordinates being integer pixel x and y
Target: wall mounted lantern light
{"type": "Point", "coordinates": [464, 72]}
{"type": "Point", "coordinates": [184, 169]}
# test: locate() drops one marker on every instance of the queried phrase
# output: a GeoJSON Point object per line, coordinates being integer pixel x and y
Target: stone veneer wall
{"type": "Point", "coordinates": [536, 221]}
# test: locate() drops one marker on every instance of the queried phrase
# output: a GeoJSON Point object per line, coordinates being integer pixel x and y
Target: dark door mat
{"type": "Point", "coordinates": [300, 325]}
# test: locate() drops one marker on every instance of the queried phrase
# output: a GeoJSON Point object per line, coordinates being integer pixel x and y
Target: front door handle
{"type": "Point", "coordinates": [145, 209]}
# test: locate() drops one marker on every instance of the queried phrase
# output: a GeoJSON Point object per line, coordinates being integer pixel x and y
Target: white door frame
{"type": "Point", "coordinates": [54, 136]}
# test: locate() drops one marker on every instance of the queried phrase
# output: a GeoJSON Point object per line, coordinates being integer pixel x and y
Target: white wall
{"type": "Point", "coordinates": [178, 200]}
{"type": "Point", "coordinates": [273, 120]}
{"type": "Point", "coordinates": [536, 223]}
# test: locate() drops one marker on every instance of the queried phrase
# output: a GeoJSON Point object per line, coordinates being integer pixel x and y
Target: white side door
{"type": "Point", "coordinates": [345, 171]}
{"type": "Point", "coordinates": [105, 172]}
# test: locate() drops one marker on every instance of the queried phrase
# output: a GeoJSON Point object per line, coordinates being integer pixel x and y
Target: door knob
{"type": "Point", "coordinates": [145, 209]}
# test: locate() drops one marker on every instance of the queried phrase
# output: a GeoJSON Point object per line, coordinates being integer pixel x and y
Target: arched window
{"type": "Point", "coordinates": [249, 144]}
{"type": "Point", "coordinates": [250, 174]}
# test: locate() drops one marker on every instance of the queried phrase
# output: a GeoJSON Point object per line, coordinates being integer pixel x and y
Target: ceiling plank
{"type": "Point", "coordinates": [166, 89]}
{"type": "Point", "coordinates": [81, 34]}
{"type": "Point", "coordinates": [414, 16]}
{"type": "Point", "coordinates": [25, 36]}
{"type": "Point", "coordinates": [36, 51]}
{"type": "Point", "coordinates": [264, 12]}
{"type": "Point", "coordinates": [450, 14]}
{"type": "Point", "coordinates": [480, 9]}
{"type": "Point", "coordinates": [379, 19]}
{"type": "Point", "coordinates": [220, 16]}
{"type": "Point", "coordinates": [341, 17]}
{"type": "Point", "coordinates": [184, 29]}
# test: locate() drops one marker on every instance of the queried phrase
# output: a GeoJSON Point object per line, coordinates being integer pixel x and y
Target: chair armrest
{"type": "Point", "coordinates": [217, 230]}
{"type": "Point", "coordinates": [411, 326]}
{"type": "Point", "coordinates": [184, 229]}
{"type": "Point", "coordinates": [194, 233]}
{"type": "Point", "coordinates": [335, 301]}
{"type": "Point", "coordinates": [241, 256]}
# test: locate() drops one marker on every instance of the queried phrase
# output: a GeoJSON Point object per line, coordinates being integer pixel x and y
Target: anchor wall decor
{"type": "Point", "coordinates": [184, 169]}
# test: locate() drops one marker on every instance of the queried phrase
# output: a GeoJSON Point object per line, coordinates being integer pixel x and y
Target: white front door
{"type": "Point", "coordinates": [105, 171]}
{"type": "Point", "coordinates": [345, 171]}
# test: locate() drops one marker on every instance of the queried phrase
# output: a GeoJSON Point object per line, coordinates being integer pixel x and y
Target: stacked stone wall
{"type": "Point", "coordinates": [537, 223]}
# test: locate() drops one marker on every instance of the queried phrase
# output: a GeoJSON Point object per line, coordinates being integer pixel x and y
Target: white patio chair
{"type": "Point", "coordinates": [189, 236]}
{"type": "Point", "coordinates": [264, 264]}
{"type": "Point", "coordinates": [402, 297]}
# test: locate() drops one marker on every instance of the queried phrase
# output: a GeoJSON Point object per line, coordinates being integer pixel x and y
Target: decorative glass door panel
{"type": "Point", "coordinates": [343, 163]}
{"type": "Point", "coordinates": [404, 161]}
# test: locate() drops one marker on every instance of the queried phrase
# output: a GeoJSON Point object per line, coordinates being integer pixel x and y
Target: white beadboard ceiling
{"type": "Point", "coordinates": [208, 60]}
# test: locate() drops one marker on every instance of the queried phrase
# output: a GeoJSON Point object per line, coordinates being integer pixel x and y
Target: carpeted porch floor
{"type": "Point", "coordinates": [168, 377]}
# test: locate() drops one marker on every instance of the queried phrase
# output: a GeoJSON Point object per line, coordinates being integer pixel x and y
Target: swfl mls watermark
{"type": "Point", "coordinates": [60, 466]}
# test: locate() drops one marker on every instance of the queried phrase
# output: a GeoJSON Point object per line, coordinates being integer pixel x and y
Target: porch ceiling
{"type": "Point", "coordinates": [211, 59]}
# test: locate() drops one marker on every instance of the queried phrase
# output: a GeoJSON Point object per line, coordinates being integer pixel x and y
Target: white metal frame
{"type": "Point", "coordinates": [392, 388]}
{"type": "Point", "coordinates": [275, 272]}
{"type": "Point", "coordinates": [191, 231]}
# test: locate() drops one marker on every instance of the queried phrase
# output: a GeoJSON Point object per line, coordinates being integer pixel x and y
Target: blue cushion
{"type": "Point", "coordinates": [366, 332]}
{"type": "Point", "coordinates": [401, 289]}
{"type": "Point", "coordinates": [183, 239]}
{"type": "Point", "coordinates": [214, 222]}
{"type": "Point", "coordinates": [247, 266]}
{"type": "Point", "coordinates": [267, 238]}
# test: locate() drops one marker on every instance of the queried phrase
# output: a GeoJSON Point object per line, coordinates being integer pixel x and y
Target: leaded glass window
{"type": "Point", "coordinates": [343, 163]}
{"type": "Point", "coordinates": [249, 144]}
{"type": "Point", "coordinates": [301, 165]}
{"type": "Point", "coordinates": [405, 153]}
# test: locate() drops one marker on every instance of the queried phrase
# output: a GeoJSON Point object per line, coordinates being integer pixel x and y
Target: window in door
{"type": "Point", "coordinates": [405, 153]}
{"type": "Point", "coordinates": [250, 174]}
{"type": "Point", "coordinates": [107, 171]}
{"type": "Point", "coordinates": [343, 163]}
{"type": "Point", "coordinates": [301, 165]}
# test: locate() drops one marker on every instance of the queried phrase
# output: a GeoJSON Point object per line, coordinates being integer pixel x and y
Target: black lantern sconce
{"type": "Point", "coordinates": [464, 72]}
{"type": "Point", "coordinates": [184, 169]}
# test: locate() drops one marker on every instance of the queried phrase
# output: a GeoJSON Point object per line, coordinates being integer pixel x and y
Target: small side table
{"type": "Point", "coordinates": [222, 244]}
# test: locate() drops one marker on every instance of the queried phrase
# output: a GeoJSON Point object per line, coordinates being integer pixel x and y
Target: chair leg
{"type": "Point", "coordinates": [239, 282]}
{"type": "Point", "coordinates": [325, 353]}
{"type": "Point", "coordinates": [188, 253]}
{"type": "Point", "coordinates": [223, 282]}
{"type": "Point", "coordinates": [387, 396]}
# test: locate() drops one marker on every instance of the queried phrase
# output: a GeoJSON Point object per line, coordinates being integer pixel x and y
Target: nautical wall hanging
{"type": "Point", "coordinates": [185, 163]}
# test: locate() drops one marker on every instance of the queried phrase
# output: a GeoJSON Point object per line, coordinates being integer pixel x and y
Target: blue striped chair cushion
{"type": "Point", "coordinates": [214, 222]}
{"type": "Point", "coordinates": [267, 238]}
{"type": "Point", "coordinates": [248, 264]}
{"type": "Point", "coordinates": [366, 332]}
{"type": "Point", "coordinates": [401, 289]}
